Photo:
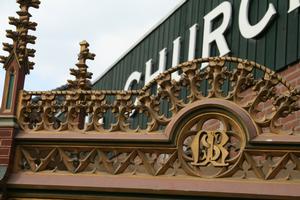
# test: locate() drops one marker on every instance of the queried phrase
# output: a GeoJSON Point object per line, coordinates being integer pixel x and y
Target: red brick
{"type": "Point", "coordinates": [6, 142]}
{"type": "Point", "coordinates": [292, 76]}
{"type": "Point", "coordinates": [289, 70]}
{"type": "Point", "coordinates": [4, 160]}
{"type": "Point", "coordinates": [5, 133]}
{"type": "Point", "coordinates": [289, 118]}
{"type": "Point", "coordinates": [4, 151]}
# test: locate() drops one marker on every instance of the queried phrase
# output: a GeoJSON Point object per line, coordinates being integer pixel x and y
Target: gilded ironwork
{"type": "Point", "coordinates": [39, 110]}
{"type": "Point", "coordinates": [208, 132]}
{"type": "Point", "coordinates": [21, 37]}
{"type": "Point", "coordinates": [212, 123]}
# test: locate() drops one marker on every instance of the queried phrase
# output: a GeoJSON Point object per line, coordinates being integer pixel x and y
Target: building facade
{"type": "Point", "coordinates": [264, 31]}
{"type": "Point", "coordinates": [205, 106]}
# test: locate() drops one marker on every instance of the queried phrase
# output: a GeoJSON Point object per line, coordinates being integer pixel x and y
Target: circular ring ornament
{"type": "Point", "coordinates": [211, 136]}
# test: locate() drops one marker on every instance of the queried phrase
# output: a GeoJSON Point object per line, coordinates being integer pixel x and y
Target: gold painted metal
{"type": "Point", "coordinates": [212, 141]}
{"type": "Point", "coordinates": [207, 134]}
{"type": "Point", "coordinates": [39, 110]}
{"type": "Point", "coordinates": [212, 150]}
{"type": "Point", "coordinates": [207, 153]}
{"type": "Point", "coordinates": [252, 164]}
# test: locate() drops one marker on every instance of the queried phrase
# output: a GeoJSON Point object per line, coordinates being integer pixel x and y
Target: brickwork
{"type": "Point", "coordinates": [291, 122]}
{"type": "Point", "coordinates": [6, 138]}
{"type": "Point", "coordinates": [292, 75]}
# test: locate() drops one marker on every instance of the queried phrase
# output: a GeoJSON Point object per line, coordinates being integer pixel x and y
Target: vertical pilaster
{"type": "Point", "coordinates": [16, 65]}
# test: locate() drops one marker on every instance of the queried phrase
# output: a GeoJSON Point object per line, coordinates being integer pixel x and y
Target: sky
{"type": "Point", "coordinates": [110, 26]}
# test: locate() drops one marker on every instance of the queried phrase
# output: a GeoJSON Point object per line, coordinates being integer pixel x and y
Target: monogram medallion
{"type": "Point", "coordinates": [211, 143]}
{"type": "Point", "coordinates": [209, 147]}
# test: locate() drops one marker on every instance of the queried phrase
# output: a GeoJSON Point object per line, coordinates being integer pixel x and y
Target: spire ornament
{"type": "Point", "coordinates": [21, 37]}
{"type": "Point", "coordinates": [81, 74]}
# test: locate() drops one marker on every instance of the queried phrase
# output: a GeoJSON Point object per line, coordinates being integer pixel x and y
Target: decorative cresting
{"type": "Point", "coordinates": [21, 37]}
{"type": "Point", "coordinates": [62, 110]}
{"type": "Point", "coordinates": [210, 117]}
{"type": "Point", "coordinates": [208, 132]}
{"type": "Point", "coordinates": [264, 95]}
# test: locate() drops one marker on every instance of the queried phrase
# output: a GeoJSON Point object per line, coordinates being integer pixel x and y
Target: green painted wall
{"type": "Point", "coordinates": [277, 47]}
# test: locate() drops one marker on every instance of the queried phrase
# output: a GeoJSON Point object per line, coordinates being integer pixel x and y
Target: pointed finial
{"type": "Point", "coordinates": [81, 74]}
{"type": "Point", "coordinates": [29, 3]}
{"type": "Point", "coordinates": [20, 36]}
{"type": "Point", "coordinates": [85, 52]}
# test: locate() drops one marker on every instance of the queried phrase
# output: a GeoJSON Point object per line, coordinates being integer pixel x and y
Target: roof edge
{"type": "Point", "coordinates": [139, 40]}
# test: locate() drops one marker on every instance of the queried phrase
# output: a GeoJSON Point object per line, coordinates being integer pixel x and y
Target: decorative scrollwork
{"type": "Point", "coordinates": [228, 78]}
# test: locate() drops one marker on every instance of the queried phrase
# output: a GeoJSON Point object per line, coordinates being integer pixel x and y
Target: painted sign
{"type": "Point", "coordinates": [211, 32]}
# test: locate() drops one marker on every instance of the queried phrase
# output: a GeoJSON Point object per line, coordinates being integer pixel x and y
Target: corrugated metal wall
{"type": "Point", "coordinates": [277, 47]}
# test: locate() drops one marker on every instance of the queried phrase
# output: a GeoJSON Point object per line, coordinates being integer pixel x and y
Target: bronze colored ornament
{"type": "Point", "coordinates": [211, 145]}
{"type": "Point", "coordinates": [211, 130]}
{"type": "Point", "coordinates": [81, 74]}
{"type": "Point", "coordinates": [211, 139]}
{"type": "Point", "coordinates": [206, 135]}
{"type": "Point", "coordinates": [229, 131]}
{"type": "Point", "coordinates": [21, 37]}
{"type": "Point", "coordinates": [80, 100]}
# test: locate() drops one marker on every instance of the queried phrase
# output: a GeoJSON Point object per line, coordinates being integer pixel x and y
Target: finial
{"type": "Point", "coordinates": [20, 36]}
{"type": "Point", "coordinates": [29, 3]}
{"type": "Point", "coordinates": [81, 74]}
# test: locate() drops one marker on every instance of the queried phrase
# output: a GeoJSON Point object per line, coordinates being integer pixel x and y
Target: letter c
{"type": "Point", "coordinates": [250, 31]}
